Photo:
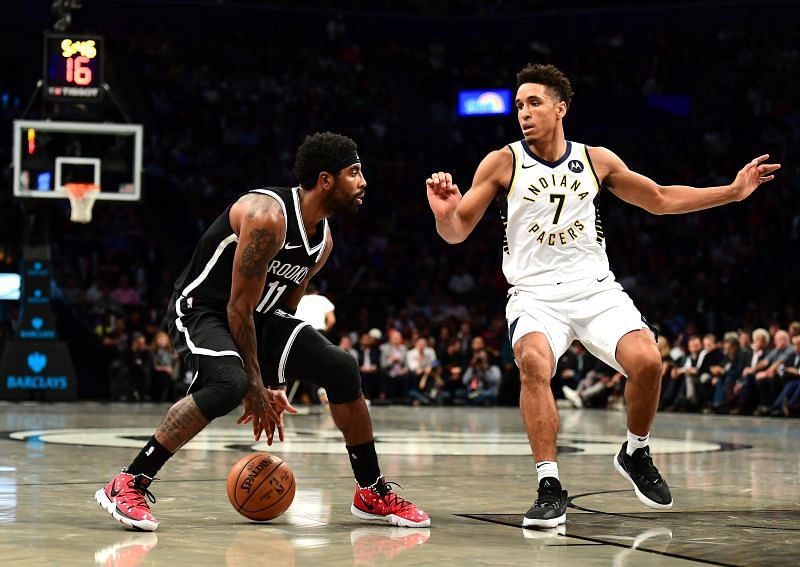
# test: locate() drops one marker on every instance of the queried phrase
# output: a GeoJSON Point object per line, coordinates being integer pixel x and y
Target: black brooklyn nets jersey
{"type": "Point", "coordinates": [207, 278]}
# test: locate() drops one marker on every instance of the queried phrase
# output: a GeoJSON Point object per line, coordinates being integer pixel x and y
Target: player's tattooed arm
{"type": "Point", "coordinates": [262, 230]}
{"type": "Point", "coordinates": [261, 227]}
{"type": "Point", "coordinates": [262, 248]}
{"type": "Point", "coordinates": [263, 243]}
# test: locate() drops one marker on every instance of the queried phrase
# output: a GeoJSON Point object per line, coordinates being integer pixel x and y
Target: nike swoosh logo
{"type": "Point", "coordinates": [367, 504]}
{"type": "Point", "coordinates": [600, 280]}
{"type": "Point", "coordinates": [641, 438]}
{"type": "Point", "coordinates": [114, 492]}
{"type": "Point", "coordinates": [530, 165]}
{"type": "Point", "coordinates": [291, 246]}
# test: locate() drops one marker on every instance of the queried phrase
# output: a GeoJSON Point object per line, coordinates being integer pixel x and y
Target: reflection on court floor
{"type": "Point", "coordinates": [734, 480]}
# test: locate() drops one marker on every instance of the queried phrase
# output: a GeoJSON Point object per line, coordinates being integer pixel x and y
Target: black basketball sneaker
{"type": "Point", "coordinates": [550, 508]}
{"type": "Point", "coordinates": [650, 487]}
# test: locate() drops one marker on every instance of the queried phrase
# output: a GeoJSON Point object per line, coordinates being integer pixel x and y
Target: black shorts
{"type": "Point", "coordinates": [198, 331]}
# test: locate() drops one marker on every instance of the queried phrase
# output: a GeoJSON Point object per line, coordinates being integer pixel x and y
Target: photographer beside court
{"type": "Point", "coordinates": [481, 381]}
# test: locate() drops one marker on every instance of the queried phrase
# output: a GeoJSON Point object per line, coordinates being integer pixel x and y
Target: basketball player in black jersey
{"type": "Point", "coordinates": [231, 314]}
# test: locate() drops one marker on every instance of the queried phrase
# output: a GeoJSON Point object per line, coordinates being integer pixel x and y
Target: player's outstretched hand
{"type": "Point", "coordinates": [752, 175]}
{"type": "Point", "coordinates": [258, 409]}
{"type": "Point", "coordinates": [443, 194]}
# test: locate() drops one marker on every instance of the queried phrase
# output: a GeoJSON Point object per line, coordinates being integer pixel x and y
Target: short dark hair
{"type": "Point", "coordinates": [551, 77]}
{"type": "Point", "coordinates": [320, 152]}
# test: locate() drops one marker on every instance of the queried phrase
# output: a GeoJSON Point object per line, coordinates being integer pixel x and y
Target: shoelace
{"type": "Point", "coordinates": [391, 497]}
{"type": "Point", "coordinates": [646, 469]}
{"type": "Point", "coordinates": [139, 492]}
{"type": "Point", "coordinates": [548, 497]}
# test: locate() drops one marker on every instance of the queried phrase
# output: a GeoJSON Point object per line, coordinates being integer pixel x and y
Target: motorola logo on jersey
{"type": "Point", "coordinates": [575, 166]}
{"type": "Point", "coordinates": [291, 272]}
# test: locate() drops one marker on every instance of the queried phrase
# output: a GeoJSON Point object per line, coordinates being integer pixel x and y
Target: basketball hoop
{"type": "Point", "coordinates": [81, 198]}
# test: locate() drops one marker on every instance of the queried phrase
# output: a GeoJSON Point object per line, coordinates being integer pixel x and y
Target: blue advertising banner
{"type": "Point", "coordinates": [481, 103]}
{"type": "Point", "coordinates": [37, 370]}
{"type": "Point", "coordinates": [36, 322]}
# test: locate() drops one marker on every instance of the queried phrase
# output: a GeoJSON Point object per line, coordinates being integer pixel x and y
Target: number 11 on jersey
{"type": "Point", "coordinates": [271, 297]}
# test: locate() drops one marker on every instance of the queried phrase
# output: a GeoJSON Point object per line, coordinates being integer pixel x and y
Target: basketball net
{"type": "Point", "coordinates": [81, 199]}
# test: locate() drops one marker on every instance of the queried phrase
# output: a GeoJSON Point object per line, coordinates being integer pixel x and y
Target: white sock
{"type": "Point", "coordinates": [636, 442]}
{"type": "Point", "coordinates": [547, 469]}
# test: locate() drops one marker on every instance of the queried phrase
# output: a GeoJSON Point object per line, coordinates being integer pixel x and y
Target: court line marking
{"type": "Point", "coordinates": [596, 541]}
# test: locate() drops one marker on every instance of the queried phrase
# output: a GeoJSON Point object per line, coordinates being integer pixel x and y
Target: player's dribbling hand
{"type": "Point", "coordinates": [752, 175]}
{"type": "Point", "coordinates": [443, 194]}
{"type": "Point", "coordinates": [258, 409]}
{"type": "Point", "coordinates": [280, 403]}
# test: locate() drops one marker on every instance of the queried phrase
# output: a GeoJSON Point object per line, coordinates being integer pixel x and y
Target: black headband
{"type": "Point", "coordinates": [341, 164]}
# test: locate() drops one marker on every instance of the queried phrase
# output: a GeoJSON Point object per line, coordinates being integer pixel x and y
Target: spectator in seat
{"type": "Point", "coordinates": [394, 372]}
{"type": "Point", "coordinates": [369, 359]}
{"type": "Point", "coordinates": [481, 381]}
{"type": "Point", "coordinates": [745, 393]}
{"type": "Point", "coordinates": [419, 361]}
{"type": "Point", "coordinates": [736, 360]}
{"type": "Point", "coordinates": [786, 402]}
{"type": "Point", "coordinates": [768, 382]}
{"type": "Point", "coordinates": [165, 368]}
{"type": "Point", "coordinates": [124, 294]}
{"type": "Point", "coordinates": [673, 397]}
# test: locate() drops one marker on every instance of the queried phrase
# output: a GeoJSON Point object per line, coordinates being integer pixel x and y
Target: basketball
{"type": "Point", "coordinates": [261, 486]}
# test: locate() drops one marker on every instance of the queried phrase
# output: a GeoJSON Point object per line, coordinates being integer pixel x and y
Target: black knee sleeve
{"type": "Point", "coordinates": [338, 373]}
{"type": "Point", "coordinates": [223, 385]}
{"type": "Point", "coordinates": [313, 358]}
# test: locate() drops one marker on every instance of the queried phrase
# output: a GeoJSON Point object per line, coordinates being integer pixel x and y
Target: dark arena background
{"type": "Point", "coordinates": [172, 109]}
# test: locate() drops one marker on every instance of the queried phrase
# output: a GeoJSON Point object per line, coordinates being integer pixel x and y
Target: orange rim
{"type": "Point", "coordinates": [79, 190]}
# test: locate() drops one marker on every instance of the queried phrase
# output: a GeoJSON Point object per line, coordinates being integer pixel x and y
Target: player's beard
{"type": "Point", "coordinates": [339, 201]}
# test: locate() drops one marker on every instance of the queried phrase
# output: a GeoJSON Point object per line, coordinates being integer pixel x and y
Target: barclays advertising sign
{"type": "Point", "coordinates": [37, 380]}
{"type": "Point", "coordinates": [36, 329]}
{"type": "Point", "coordinates": [37, 371]}
{"type": "Point", "coordinates": [36, 322]}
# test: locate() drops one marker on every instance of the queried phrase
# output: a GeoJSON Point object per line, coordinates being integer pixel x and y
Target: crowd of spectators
{"type": "Point", "coordinates": [743, 373]}
{"type": "Point", "coordinates": [227, 92]}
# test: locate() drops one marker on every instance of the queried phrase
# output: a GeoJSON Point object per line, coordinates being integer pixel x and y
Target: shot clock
{"type": "Point", "coordinates": [73, 67]}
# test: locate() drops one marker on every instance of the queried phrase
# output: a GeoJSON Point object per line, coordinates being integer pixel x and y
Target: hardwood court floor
{"type": "Point", "coordinates": [734, 481]}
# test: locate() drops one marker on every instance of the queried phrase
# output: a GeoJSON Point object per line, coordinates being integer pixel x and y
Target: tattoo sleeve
{"type": "Point", "coordinates": [183, 421]}
{"type": "Point", "coordinates": [243, 331]}
{"type": "Point", "coordinates": [263, 245]}
{"type": "Point", "coordinates": [256, 256]}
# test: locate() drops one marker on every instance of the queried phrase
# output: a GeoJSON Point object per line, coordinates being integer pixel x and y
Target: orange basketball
{"type": "Point", "coordinates": [261, 486]}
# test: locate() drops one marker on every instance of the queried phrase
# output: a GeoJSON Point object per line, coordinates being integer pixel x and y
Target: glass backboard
{"type": "Point", "coordinates": [48, 155]}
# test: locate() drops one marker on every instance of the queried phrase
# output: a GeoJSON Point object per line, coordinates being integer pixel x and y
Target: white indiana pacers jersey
{"type": "Point", "coordinates": [553, 232]}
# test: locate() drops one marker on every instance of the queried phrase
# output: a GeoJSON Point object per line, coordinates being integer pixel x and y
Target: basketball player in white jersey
{"type": "Point", "coordinates": [561, 286]}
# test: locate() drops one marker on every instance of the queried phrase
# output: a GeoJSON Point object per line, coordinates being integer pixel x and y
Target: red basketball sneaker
{"type": "Point", "coordinates": [124, 499]}
{"type": "Point", "coordinates": [379, 502]}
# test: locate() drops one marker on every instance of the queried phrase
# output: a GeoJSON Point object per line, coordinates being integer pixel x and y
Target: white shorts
{"type": "Point", "coordinates": [598, 314]}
